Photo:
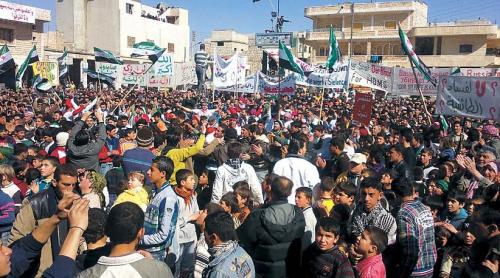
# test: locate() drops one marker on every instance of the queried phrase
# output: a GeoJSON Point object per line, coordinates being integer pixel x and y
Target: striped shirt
{"type": "Point", "coordinates": [201, 58]}
{"type": "Point", "coordinates": [416, 239]}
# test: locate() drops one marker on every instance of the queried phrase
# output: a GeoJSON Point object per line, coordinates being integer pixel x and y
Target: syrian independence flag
{"type": "Point", "coordinates": [455, 71]}
{"type": "Point", "coordinates": [288, 61]}
{"type": "Point", "coordinates": [63, 66]}
{"type": "Point", "coordinates": [6, 61]}
{"type": "Point", "coordinates": [102, 55]}
{"type": "Point", "coordinates": [334, 54]}
{"type": "Point", "coordinates": [408, 49]}
{"type": "Point", "coordinates": [103, 77]}
{"type": "Point", "coordinates": [42, 84]}
{"type": "Point", "coordinates": [149, 49]}
{"type": "Point", "coordinates": [32, 58]}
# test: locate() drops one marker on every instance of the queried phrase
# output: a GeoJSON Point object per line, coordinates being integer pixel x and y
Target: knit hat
{"type": "Point", "coordinates": [230, 134]}
{"type": "Point", "coordinates": [443, 185]}
{"type": "Point", "coordinates": [62, 139]}
{"type": "Point", "coordinates": [144, 137]}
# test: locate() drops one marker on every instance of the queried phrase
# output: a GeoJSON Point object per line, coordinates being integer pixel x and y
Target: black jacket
{"type": "Point", "coordinates": [271, 235]}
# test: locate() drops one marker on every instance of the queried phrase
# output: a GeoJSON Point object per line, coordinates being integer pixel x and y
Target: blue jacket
{"type": "Point", "coordinates": [233, 263]}
{"type": "Point", "coordinates": [7, 212]}
{"type": "Point", "coordinates": [458, 219]}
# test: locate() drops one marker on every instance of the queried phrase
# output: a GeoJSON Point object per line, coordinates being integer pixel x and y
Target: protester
{"type": "Point", "coordinates": [370, 245]}
{"type": "Point", "coordinates": [135, 191]}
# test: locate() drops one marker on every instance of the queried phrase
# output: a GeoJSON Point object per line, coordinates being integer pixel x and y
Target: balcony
{"type": "Point", "coordinates": [364, 8]}
{"type": "Point", "coordinates": [323, 34]}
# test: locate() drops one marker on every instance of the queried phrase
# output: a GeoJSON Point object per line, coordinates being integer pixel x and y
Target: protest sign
{"type": "Point", "coordinates": [480, 72]}
{"type": "Point", "coordinates": [322, 78]}
{"type": "Point", "coordinates": [285, 85]}
{"type": "Point", "coordinates": [474, 97]}
{"type": "Point", "coordinates": [247, 87]}
{"type": "Point", "coordinates": [164, 65]}
{"type": "Point", "coordinates": [134, 73]}
{"type": "Point", "coordinates": [159, 81]}
{"type": "Point", "coordinates": [112, 70]}
{"type": "Point", "coordinates": [185, 74]}
{"type": "Point", "coordinates": [362, 111]}
{"type": "Point", "coordinates": [404, 82]}
{"type": "Point", "coordinates": [228, 72]}
{"type": "Point", "coordinates": [15, 12]}
{"type": "Point", "coordinates": [47, 70]}
{"type": "Point", "coordinates": [371, 75]}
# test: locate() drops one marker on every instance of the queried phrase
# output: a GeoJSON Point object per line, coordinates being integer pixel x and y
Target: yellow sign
{"type": "Point", "coordinates": [47, 70]}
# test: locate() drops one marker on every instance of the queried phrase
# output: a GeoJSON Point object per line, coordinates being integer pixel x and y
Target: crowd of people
{"type": "Point", "coordinates": [170, 184]}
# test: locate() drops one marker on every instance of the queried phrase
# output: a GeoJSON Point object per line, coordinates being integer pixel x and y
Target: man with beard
{"type": "Point", "coordinates": [40, 207]}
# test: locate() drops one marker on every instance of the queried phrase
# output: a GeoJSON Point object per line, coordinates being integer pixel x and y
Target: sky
{"type": "Point", "coordinates": [247, 17]}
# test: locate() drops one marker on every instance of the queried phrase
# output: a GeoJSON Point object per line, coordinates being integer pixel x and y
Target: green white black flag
{"type": "Point", "coordinates": [102, 55]}
{"type": "Point", "coordinates": [41, 84]}
{"type": "Point", "coordinates": [32, 58]}
{"type": "Point", "coordinates": [288, 60]}
{"type": "Point", "coordinates": [415, 60]}
{"type": "Point", "coordinates": [149, 49]}
{"type": "Point", "coordinates": [63, 66]}
{"type": "Point", "coordinates": [334, 53]}
{"type": "Point", "coordinates": [6, 61]}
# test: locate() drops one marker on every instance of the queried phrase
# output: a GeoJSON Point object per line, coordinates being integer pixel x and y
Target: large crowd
{"type": "Point", "coordinates": [170, 184]}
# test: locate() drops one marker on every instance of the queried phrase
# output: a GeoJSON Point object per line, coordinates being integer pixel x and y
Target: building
{"type": "Point", "coordinates": [21, 27]}
{"type": "Point", "coordinates": [116, 25]}
{"type": "Point", "coordinates": [227, 42]}
{"type": "Point", "coordinates": [374, 31]}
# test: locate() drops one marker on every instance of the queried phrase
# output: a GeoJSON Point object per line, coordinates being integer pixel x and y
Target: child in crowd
{"type": "Point", "coordinates": [303, 198]}
{"type": "Point", "coordinates": [436, 205]}
{"type": "Point", "coordinates": [370, 245]}
{"type": "Point", "coordinates": [345, 192]}
{"type": "Point", "coordinates": [456, 213]}
{"type": "Point", "coordinates": [135, 191]}
{"type": "Point", "coordinates": [243, 195]}
{"type": "Point", "coordinates": [229, 203]}
{"type": "Point", "coordinates": [203, 190]}
{"type": "Point", "coordinates": [323, 258]}
{"type": "Point", "coordinates": [186, 230]}
{"type": "Point", "coordinates": [324, 205]}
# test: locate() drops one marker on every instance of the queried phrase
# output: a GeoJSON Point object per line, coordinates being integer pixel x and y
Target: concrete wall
{"type": "Point", "coordinates": [451, 45]}
{"type": "Point", "coordinates": [103, 25]}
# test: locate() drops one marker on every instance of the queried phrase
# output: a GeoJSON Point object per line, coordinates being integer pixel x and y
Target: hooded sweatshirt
{"type": "Point", "coordinates": [85, 156]}
{"type": "Point", "coordinates": [231, 172]}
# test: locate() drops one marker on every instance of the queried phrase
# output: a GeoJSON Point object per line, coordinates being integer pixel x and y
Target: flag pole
{"type": "Point", "coordinates": [321, 105]}
{"type": "Point", "coordinates": [420, 92]}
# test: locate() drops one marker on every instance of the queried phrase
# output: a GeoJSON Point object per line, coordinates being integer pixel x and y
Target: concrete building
{"type": "Point", "coordinates": [375, 37]}
{"type": "Point", "coordinates": [21, 27]}
{"type": "Point", "coordinates": [116, 25]}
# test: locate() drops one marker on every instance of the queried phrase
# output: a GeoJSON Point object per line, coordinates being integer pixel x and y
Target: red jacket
{"type": "Point", "coordinates": [372, 267]}
{"type": "Point", "coordinates": [103, 154]}
{"type": "Point", "coordinates": [59, 153]}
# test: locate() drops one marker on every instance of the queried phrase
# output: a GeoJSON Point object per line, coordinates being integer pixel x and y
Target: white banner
{"type": "Point", "coordinates": [15, 12]}
{"type": "Point", "coordinates": [321, 78]}
{"type": "Point", "coordinates": [404, 82]}
{"type": "Point", "coordinates": [248, 87]}
{"type": "Point", "coordinates": [480, 72]}
{"type": "Point", "coordinates": [474, 97]}
{"type": "Point", "coordinates": [285, 86]}
{"type": "Point", "coordinates": [133, 73]}
{"type": "Point", "coordinates": [185, 74]}
{"type": "Point", "coordinates": [371, 75]}
{"type": "Point", "coordinates": [228, 72]}
{"type": "Point", "coordinates": [164, 65]}
{"type": "Point", "coordinates": [112, 70]}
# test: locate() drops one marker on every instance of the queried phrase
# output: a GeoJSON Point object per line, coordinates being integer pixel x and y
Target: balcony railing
{"type": "Point", "coordinates": [342, 34]}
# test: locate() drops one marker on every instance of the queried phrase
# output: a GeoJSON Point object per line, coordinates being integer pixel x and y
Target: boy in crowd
{"type": "Point", "coordinates": [323, 258]}
{"type": "Point", "coordinates": [324, 205]}
{"type": "Point", "coordinates": [370, 245]}
{"type": "Point", "coordinates": [186, 230]}
{"type": "Point", "coordinates": [456, 213]}
{"type": "Point", "coordinates": [345, 193]}
{"type": "Point", "coordinates": [303, 198]}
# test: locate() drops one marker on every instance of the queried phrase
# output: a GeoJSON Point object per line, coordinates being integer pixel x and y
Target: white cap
{"type": "Point", "coordinates": [358, 158]}
{"type": "Point", "coordinates": [62, 139]}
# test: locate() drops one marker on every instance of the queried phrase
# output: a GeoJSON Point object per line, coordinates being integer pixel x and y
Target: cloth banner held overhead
{"type": "Point", "coordinates": [228, 72]}
{"type": "Point", "coordinates": [362, 111]}
{"type": "Point", "coordinates": [285, 86]}
{"type": "Point", "coordinates": [185, 74]}
{"type": "Point", "coordinates": [480, 72]}
{"type": "Point", "coordinates": [164, 65]}
{"type": "Point", "coordinates": [371, 75]}
{"type": "Point", "coordinates": [47, 70]}
{"type": "Point", "coordinates": [404, 82]}
{"type": "Point", "coordinates": [475, 97]}
{"type": "Point", "coordinates": [15, 12]}
{"type": "Point", "coordinates": [322, 78]}
{"type": "Point", "coordinates": [247, 87]}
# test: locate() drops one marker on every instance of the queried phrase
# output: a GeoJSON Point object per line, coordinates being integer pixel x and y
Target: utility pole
{"type": "Point", "coordinates": [352, 30]}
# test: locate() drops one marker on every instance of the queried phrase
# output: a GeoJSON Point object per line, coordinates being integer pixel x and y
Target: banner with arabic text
{"type": "Point", "coordinates": [268, 85]}
{"type": "Point", "coordinates": [134, 73]}
{"type": "Point", "coordinates": [112, 70]}
{"type": "Point", "coordinates": [47, 70]}
{"type": "Point", "coordinates": [475, 97]}
{"type": "Point", "coordinates": [164, 65]}
{"type": "Point", "coordinates": [404, 82]}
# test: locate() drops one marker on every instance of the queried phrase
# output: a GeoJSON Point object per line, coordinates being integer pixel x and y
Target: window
{"type": "Point", "coordinates": [129, 8]}
{"type": "Point", "coordinates": [130, 41]}
{"type": "Point", "coordinates": [235, 49]}
{"type": "Point", "coordinates": [322, 51]}
{"type": "Point", "coordinates": [358, 26]}
{"type": "Point", "coordinates": [390, 25]}
{"type": "Point", "coordinates": [6, 35]}
{"type": "Point", "coordinates": [424, 45]}
{"type": "Point", "coordinates": [438, 45]}
{"type": "Point", "coordinates": [220, 43]}
{"type": "Point", "coordinates": [171, 47]}
{"type": "Point", "coordinates": [466, 48]}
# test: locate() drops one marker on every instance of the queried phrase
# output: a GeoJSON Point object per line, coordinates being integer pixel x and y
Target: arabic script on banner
{"type": "Point", "coordinates": [476, 97]}
{"type": "Point", "coordinates": [134, 73]}
{"type": "Point", "coordinates": [112, 70]}
{"type": "Point", "coordinates": [164, 65]}
{"type": "Point", "coordinates": [362, 111]}
{"type": "Point", "coordinates": [15, 12]}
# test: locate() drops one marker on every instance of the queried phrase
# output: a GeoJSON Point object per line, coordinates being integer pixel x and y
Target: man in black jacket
{"type": "Point", "coordinates": [271, 235]}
